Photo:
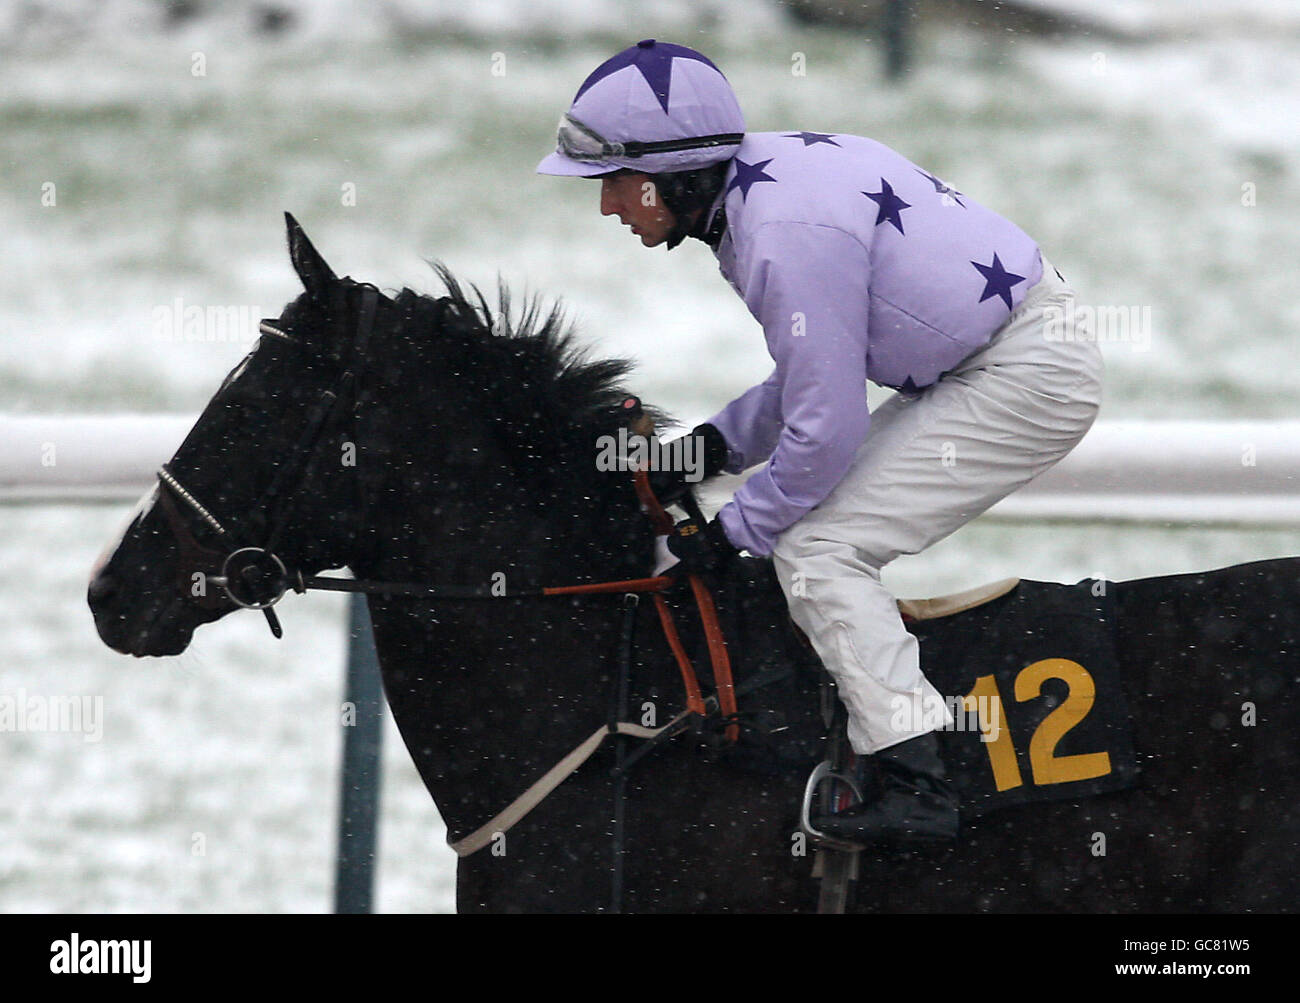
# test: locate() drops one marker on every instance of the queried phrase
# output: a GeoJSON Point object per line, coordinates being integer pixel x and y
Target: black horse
{"type": "Point", "coordinates": [437, 441]}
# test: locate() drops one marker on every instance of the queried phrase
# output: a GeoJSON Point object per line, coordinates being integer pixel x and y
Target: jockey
{"type": "Point", "coordinates": [859, 265]}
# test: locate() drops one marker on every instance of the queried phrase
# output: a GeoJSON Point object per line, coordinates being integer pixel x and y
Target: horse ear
{"type": "Point", "coordinates": [316, 275]}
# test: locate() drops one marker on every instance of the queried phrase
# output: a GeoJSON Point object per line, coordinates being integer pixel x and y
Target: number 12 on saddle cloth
{"type": "Point", "coordinates": [1032, 680]}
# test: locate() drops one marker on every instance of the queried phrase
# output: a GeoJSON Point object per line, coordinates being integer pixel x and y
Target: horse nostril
{"type": "Point", "coordinates": [102, 587]}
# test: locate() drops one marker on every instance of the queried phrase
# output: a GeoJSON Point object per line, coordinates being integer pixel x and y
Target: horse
{"type": "Point", "coordinates": [441, 443]}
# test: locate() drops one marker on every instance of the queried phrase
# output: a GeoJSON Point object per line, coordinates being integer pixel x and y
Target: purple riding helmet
{"type": "Point", "coordinates": [660, 109]}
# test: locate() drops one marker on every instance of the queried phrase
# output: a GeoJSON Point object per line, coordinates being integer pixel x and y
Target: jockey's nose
{"type": "Point", "coordinates": [609, 205]}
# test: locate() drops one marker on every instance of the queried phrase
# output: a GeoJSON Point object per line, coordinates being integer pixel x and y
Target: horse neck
{"type": "Point", "coordinates": [451, 505]}
{"type": "Point", "coordinates": [492, 691]}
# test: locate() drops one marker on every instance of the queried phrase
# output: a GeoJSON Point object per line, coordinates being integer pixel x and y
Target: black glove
{"type": "Point", "coordinates": [701, 550]}
{"type": "Point", "coordinates": [707, 456]}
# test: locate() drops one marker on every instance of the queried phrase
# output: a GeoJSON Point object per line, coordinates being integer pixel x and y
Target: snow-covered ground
{"type": "Point", "coordinates": [1159, 175]}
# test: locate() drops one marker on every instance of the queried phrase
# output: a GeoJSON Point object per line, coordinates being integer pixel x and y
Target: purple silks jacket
{"type": "Point", "coordinates": [860, 266]}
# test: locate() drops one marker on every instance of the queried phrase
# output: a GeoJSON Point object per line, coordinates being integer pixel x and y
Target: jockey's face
{"type": "Point", "coordinates": [634, 199]}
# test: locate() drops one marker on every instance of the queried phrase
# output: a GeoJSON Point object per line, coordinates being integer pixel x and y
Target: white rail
{"type": "Point", "coordinates": [1181, 472]}
{"type": "Point", "coordinates": [84, 458]}
{"type": "Point", "coordinates": [1176, 472]}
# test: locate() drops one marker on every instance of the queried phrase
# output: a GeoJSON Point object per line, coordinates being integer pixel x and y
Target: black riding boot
{"type": "Point", "coordinates": [918, 805]}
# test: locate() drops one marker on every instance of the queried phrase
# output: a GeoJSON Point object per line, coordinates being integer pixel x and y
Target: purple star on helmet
{"type": "Point", "coordinates": [748, 175]}
{"type": "Point", "coordinates": [997, 280]}
{"type": "Point", "coordinates": [653, 59]}
{"type": "Point", "coordinates": [890, 205]}
{"type": "Point", "coordinates": [810, 138]}
{"type": "Point", "coordinates": [942, 187]}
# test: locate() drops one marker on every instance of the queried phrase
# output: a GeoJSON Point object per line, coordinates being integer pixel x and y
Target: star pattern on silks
{"type": "Point", "coordinates": [653, 59]}
{"type": "Point", "coordinates": [811, 138]}
{"type": "Point", "coordinates": [997, 280]}
{"type": "Point", "coordinates": [748, 175]}
{"type": "Point", "coordinates": [890, 205]}
{"type": "Point", "coordinates": [942, 187]}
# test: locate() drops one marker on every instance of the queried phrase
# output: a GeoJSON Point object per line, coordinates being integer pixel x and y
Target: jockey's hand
{"type": "Point", "coordinates": [695, 457]}
{"type": "Point", "coordinates": [701, 549]}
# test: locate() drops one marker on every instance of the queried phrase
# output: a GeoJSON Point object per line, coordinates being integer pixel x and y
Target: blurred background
{"type": "Point", "coordinates": [148, 149]}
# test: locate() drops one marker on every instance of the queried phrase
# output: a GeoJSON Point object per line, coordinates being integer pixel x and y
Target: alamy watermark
{"type": "Point", "coordinates": [916, 714]}
{"type": "Point", "coordinates": [33, 712]}
{"type": "Point", "coordinates": [629, 451]}
{"type": "Point", "coordinates": [178, 321]}
{"type": "Point", "coordinates": [1124, 325]}
{"type": "Point", "coordinates": [76, 956]}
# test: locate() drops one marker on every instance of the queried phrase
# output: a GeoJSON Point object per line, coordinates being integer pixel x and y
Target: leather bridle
{"type": "Point", "coordinates": [254, 576]}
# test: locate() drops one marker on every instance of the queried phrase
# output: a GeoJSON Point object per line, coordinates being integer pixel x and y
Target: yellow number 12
{"type": "Point", "coordinates": [1047, 767]}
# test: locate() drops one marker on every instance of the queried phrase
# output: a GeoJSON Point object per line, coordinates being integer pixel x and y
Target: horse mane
{"type": "Point", "coordinates": [522, 370]}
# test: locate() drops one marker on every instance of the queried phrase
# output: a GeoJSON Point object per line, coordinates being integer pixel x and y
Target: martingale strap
{"type": "Point", "coordinates": [696, 705]}
{"type": "Point", "coordinates": [694, 701]}
{"type": "Point", "coordinates": [718, 656]}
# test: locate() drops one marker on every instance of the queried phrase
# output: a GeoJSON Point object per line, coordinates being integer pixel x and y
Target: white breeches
{"type": "Point", "coordinates": [929, 464]}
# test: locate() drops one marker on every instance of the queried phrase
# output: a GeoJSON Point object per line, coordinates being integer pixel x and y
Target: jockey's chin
{"type": "Point", "coordinates": [650, 225]}
{"type": "Point", "coordinates": [653, 237]}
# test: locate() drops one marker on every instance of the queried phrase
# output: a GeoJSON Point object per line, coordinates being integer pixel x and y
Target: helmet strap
{"type": "Point", "coordinates": [688, 193]}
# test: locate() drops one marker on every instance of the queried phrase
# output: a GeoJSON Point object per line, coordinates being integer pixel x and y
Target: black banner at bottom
{"type": "Point", "coordinates": [134, 953]}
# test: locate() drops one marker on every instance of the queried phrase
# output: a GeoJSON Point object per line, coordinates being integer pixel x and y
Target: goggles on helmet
{"type": "Point", "coordinates": [581, 142]}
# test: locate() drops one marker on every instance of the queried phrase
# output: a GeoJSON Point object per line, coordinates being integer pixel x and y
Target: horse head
{"type": "Point", "coordinates": [417, 437]}
{"type": "Point", "coordinates": [278, 420]}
